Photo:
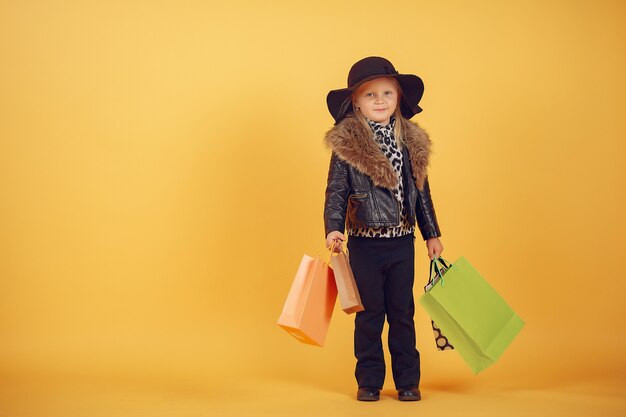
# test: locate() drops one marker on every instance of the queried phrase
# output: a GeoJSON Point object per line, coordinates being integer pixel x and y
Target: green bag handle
{"type": "Point", "coordinates": [446, 264]}
{"type": "Point", "coordinates": [439, 272]}
{"type": "Point", "coordinates": [439, 269]}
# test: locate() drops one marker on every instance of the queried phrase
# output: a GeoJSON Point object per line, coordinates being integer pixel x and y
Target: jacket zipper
{"type": "Point", "coordinates": [398, 205]}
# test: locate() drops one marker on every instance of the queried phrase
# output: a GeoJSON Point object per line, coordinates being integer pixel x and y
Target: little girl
{"type": "Point", "coordinates": [378, 191]}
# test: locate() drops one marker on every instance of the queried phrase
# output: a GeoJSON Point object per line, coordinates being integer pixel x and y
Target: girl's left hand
{"type": "Point", "coordinates": [434, 247]}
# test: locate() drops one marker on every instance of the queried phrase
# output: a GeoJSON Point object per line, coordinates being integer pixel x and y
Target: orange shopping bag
{"type": "Point", "coordinates": [310, 302]}
{"type": "Point", "coordinates": [346, 285]}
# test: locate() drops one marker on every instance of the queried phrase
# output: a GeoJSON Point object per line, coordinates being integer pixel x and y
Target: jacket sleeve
{"type": "Point", "coordinates": [337, 191]}
{"type": "Point", "coordinates": [425, 212]}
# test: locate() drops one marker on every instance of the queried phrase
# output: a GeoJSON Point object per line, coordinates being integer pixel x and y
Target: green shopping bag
{"type": "Point", "coordinates": [475, 319]}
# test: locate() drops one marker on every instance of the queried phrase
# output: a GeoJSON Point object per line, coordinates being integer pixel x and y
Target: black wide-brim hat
{"type": "Point", "coordinates": [340, 102]}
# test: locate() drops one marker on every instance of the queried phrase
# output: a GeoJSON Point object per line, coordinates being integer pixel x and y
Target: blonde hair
{"type": "Point", "coordinates": [398, 132]}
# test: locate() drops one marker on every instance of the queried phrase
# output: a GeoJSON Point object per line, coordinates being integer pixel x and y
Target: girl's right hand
{"type": "Point", "coordinates": [337, 237]}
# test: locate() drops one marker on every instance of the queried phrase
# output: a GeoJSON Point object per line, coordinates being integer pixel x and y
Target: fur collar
{"type": "Point", "coordinates": [355, 144]}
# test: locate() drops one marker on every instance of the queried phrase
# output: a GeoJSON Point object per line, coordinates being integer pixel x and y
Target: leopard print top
{"type": "Point", "coordinates": [387, 143]}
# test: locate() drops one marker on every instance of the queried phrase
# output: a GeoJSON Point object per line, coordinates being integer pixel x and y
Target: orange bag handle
{"type": "Point", "coordinates": [331, 248]}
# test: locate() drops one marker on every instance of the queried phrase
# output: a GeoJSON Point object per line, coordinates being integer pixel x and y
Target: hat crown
{"type": "Point", "coordinates": [368, 67]}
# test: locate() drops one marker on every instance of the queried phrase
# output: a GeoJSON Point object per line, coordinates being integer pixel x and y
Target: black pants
{"type": "Point", "coordinates": [384, 272]}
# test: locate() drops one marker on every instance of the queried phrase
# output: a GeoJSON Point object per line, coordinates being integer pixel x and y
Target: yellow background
{"type": "Point", "coordinates": [162, 172]}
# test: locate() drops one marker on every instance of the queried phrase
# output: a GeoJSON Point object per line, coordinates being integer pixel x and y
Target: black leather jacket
{"type": "Point", "coordinates": [354, 198]}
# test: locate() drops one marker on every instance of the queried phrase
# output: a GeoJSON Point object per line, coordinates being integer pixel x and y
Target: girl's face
{"type": "Point", "coordinates": [377, 99]}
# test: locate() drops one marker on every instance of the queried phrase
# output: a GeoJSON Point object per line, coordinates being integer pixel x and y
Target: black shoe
{"type": "Point", "coordinates": [409, 394]}
{"type": "Point", "coordinates": [368, 394]}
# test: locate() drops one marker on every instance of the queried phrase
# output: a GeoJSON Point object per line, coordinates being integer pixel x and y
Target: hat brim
{"type": "Point", "coordinates": [339, 102]}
